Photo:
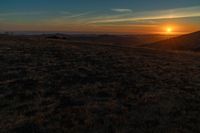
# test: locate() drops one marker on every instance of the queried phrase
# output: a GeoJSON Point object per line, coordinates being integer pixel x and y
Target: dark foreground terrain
{"type": "Point", "coordinates": [55, 86]}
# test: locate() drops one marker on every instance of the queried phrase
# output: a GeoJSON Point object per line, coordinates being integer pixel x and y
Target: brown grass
{"type": "Point", "coordinates": [52, 86]}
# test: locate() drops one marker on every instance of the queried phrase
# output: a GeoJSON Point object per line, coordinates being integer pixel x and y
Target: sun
{"type": "Point", "coordinates": [169, 30]}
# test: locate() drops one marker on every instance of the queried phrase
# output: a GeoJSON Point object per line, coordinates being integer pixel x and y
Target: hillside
{"type": "Point", "coordinates": [56, 86]}
{"type": "Point", "coordinates": [189, 42]}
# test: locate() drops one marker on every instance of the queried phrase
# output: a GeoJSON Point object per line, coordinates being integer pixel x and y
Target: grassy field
{"type": "Point", "coordinates": [55, 86]}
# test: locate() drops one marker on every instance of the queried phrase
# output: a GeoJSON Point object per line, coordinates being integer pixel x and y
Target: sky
{"type": "Point", "coordinates": [102, 16]}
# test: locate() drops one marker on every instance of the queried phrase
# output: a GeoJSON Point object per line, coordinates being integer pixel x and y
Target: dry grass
{"type": "Point", "coordinates": [52, 86]}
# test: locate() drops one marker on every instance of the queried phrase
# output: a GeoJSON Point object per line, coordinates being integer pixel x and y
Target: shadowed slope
{"type": "Point", "coordinates": [189, 42]}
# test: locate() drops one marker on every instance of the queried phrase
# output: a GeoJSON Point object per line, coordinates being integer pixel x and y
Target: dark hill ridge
{"type": "Point", "coordinates": [188, 42]}
{"type": "Point", "coordinates": [127, 40]}
{"type": "Point", "coordinates": [117, 40]}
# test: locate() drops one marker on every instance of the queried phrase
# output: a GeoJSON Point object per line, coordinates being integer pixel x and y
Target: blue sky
{"type": "Point", "coordinates": [98, 16]}
{"type": "Point", "coordinates": [87, 5]}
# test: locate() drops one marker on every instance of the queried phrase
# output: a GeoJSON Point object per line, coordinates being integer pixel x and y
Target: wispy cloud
{"type": "Point", "coordinates": [121, 10]}
{"type": "Point", "coordinates": [54, 18]}
{"type": "Point", "coordinates": [77, 15]}
{"type": "Point", "coordinates": [67, 18]}
{"type": "Point", "coordinates": [154, 15]}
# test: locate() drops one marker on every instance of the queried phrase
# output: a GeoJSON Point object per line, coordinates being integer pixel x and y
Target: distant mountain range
{"type": "Point", "coordinates": [125, 40]}
{"type": "Point", "coordinates": [188, 42]}
{"type": "Point", "coordinates": [122, 40]}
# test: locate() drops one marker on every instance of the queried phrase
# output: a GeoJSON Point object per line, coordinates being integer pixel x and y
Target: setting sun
{"type": "Point", "coordinates": [169, 30]}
